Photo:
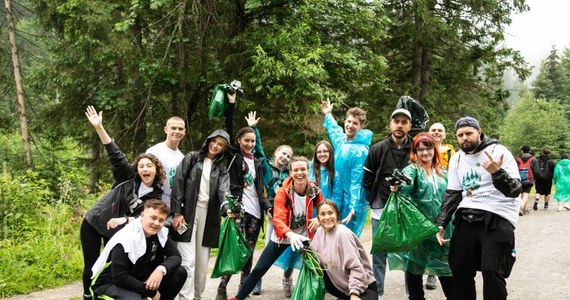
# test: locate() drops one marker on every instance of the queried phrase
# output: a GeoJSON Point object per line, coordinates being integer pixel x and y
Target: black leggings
{"type": "Point", "coordinates": [369, 293]}
{"type": "Point", "coordinates": [91, 243]}
{"type": "Point", "coordinates": [416, 289]}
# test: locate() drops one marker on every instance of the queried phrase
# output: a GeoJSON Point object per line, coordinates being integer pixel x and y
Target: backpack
{"type": "Point", "coordinates": [525, 171]}
{"type": "Point", "coordinates": [543, 171]}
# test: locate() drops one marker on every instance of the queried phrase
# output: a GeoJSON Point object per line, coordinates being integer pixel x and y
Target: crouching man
{"type": "Point", "coordinates": [139, 261]}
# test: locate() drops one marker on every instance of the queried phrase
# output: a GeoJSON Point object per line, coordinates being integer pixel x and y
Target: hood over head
{"type": "Point", "coordinates": [218, 132]}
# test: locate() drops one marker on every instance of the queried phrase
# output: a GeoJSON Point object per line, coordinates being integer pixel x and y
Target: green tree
{"type": "Point", "coordinates": [549, 82]}
{"type": "Point", "coordinates": [536, 122]}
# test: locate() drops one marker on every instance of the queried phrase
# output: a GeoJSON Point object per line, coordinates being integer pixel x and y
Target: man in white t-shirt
{"type": "Point", "coordinates": [169, 154]}
{"type": "Point", "coordinates": [483, 191]}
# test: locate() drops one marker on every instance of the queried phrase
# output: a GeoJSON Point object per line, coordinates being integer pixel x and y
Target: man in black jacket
{"type": "Point", "coordinates": [483, 191]}
{"type": "Point", "coordinates": [140, 261]}
{"type": "Point", "coordinates": [391, 153]}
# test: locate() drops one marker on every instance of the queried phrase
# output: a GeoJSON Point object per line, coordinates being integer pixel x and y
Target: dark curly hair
{"type": "Point", "coordinates": [160, 172]}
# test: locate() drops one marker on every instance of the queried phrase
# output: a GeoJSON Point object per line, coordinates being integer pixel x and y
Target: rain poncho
{"type": "Point", "coordinates": [332, 192]}
{"type": "Point", "coordinates": [349, 164]}
{"type": "Point", "coordinates": [562, 181]}
{"type": "Point", "coordinates": [426, 192]}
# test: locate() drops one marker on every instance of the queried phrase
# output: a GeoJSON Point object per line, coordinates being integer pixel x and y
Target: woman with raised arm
{"type": "Point", "coordinates": [134, 183]}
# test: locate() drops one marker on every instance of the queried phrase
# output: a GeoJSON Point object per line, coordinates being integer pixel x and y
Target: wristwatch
{"type": "Point", "coordinates": [162, 269]}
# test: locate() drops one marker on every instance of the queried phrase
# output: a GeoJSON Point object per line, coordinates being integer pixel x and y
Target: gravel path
{"type": "Point", "coordinates": [541, 270]}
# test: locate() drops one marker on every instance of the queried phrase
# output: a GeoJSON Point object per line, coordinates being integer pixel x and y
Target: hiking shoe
{"type": "Point", "coordinates": [545, 206]}
{"type": "Point", "coordinates": [521, 213]}
{"type": "Point", "coordinates": [431, 282]}
{"type": "Point", "coordinates": [222, 294]}
{"type": "Point", "coordinates": [288, 287]}
{"type": "Point", "coordinates": [535, 205]}
{"type": "Point", "coordinates": [257, 289]}
{"type": "Point", "coordinates": [526, 212]}
{"type": "Point", "coordinates": [567, 206]}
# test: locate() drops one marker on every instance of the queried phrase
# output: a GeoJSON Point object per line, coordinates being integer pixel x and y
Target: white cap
{"type": "Point", "coordinates": [401, 111]}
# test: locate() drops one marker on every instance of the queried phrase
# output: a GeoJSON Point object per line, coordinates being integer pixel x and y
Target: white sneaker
{"type": "Point", "coordinates": [567, 206]}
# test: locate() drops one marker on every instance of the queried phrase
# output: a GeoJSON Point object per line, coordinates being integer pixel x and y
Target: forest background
{"type": "Point", "coordinates": [142, 61]}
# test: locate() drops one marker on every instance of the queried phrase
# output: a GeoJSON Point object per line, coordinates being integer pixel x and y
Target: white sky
{"type": "Point", "coordinates": [534, 32]}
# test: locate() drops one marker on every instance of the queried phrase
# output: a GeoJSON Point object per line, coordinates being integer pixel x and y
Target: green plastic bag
{"type": "Point", "coordinates": [218, 102]}
{"type": "Point", "coordinates": [402, 227]}
{"type": "Point", "coordinates": [310, 283]}
{"type": "Point", "coordinates": [233, 251]}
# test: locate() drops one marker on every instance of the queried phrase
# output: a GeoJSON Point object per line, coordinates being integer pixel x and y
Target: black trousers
{"type": "Point", "coordinates": [416, 289]}
{"type": "Point", "coordinates": [91, 243]}
{"type": "Point", "coordinates": [169, 287]}
{"type": "Point", "coordinates": [369, 293]}
{"type": "Point", "coordinates": [487, 246]}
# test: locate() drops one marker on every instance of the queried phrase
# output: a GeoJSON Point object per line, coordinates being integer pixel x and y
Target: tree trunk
{"type": "Point", "coordinates": [19, 88]}
{"type": "Point", "coordinates": [425, 77]}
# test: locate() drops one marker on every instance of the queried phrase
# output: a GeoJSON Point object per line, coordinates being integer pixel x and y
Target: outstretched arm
{"type": "Point", "coordinates": [97, 121]}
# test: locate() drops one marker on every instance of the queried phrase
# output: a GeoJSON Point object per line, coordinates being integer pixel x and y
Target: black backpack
{"type": "Point", "coordinates": [543, 171]}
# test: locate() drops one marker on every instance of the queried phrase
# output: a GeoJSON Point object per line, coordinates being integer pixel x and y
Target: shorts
{"type": "Point", "coordinates": [527, 188]}
{"type": "Point", "coordinates": [543, 187]}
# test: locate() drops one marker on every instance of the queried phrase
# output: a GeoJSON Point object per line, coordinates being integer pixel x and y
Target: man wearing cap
{"type": "Point", "coordinates": [483, 191]}
{"type": "Point", "coordinates": [350, 151]}
{"type": "Point", "coordinates": [391, 153]}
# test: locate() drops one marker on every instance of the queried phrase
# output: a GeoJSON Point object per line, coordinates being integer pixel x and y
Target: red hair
{"type": "Point", "coordinates": [425, 139]}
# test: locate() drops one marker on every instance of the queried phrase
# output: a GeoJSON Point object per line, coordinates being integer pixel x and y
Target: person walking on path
{"type": "Point", "coordinates": [482, 193]}
{"type": "Point", "coordinates": [351, 148]}
{"type": "Point", "coordinates": [561, 179]}
{"type": "Point", "coordinates": [346, 267]}
{"type": "Point", "coordinates": [391, 153]}
{"type": "Point", "coordinates": [526, 164]}
{"type": "Point", "coordinates": [293, 220]}
{"type": "Point", "coordinates": [133, 185]}
{"type": "Point", "coordinates": [428, 183]}
{"type": "Point", "coordinates": [169, 154]}
{"type": "Point", "coordinates": [543, 172]}
{"type": "Point", "coordinates": [199, 188]}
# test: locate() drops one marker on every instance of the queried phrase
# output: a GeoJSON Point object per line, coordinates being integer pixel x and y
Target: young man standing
{"type": "Point", "coordinates": [437, 131]}
{"type": "Point", "coordinates": [526, 161]}
{"type": "Point", "coordinates": [391, 153]}
{"type": "Point", "coordinates": [543, 171]}
{"type": "Point", "coordinates": [168, 153]}
{"type": "Point", "coordinates": [140, 261]}
{"type": "Point", "coordinates": [350, 151]}
{"type": "Point", "coordinates": [483, 191]}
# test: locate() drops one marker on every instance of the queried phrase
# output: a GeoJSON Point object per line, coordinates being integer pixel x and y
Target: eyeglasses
{"type": "Point", "coordinates": [420, 150]}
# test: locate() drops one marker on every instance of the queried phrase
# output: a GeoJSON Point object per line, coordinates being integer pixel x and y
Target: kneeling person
{"type": "Point", "coordinates": [140, 261]}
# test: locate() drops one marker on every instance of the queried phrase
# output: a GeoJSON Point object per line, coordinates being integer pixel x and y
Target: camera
{"type": "Point", "coordinates": [398, 178]}
{"type": "Point", "coordinates": [233, 87]}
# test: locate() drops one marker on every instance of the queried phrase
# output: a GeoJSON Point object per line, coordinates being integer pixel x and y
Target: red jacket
{"type": "Point", "coordinates": [283, 206]}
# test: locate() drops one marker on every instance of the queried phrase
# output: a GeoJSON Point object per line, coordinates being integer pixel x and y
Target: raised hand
{"type": "Point", "coordinates": [326, 106]}
{"type": "Point", "coordinates": [251, 120]}
{"type": "Point", "coordinates": [94, 118]}
{"type": "Point", "coordinates": [492, 165]}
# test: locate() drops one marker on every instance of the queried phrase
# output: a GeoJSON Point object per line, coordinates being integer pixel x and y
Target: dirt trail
{"type": "Point", "coordinates": [541, 270]}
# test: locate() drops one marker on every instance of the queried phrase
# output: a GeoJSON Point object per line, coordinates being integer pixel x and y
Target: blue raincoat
{"type": "Point", "coordinates": [349, 164]}
{"type": "Point", "coordinates": [332, 192]}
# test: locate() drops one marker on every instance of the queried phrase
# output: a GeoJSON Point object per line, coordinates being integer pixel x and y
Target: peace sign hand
{"type": "Point", "coordinates": [492, 165]}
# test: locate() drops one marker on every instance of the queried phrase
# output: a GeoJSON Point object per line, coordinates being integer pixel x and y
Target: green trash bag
{"type": "Point", "coordinates": [402, 227]}
{"type": "Point", "coordinates": [218, 103]}
{"type": "Point", "coordinates": [233, 251]}
{"type": "Point", "coordinates": [310, 283]}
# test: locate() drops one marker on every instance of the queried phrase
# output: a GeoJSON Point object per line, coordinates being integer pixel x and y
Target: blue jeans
{"type": "Point", "coordinates": [378, 264]}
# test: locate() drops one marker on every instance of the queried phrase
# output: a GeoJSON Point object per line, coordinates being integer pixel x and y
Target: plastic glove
{"type": "Point", "coordinates": [296, 240]}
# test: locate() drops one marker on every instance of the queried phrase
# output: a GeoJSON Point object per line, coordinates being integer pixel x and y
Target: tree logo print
{"type": "Point", "coordinates": [470, 182]}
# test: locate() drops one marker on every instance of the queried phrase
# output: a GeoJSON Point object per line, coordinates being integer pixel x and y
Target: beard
{"type": "Point", "coordinates": [468, 147]}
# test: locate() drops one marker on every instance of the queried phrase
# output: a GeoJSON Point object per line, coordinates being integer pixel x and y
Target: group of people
{"type": "Point", "coordinates": [323, 201]}
{"type": "Point", "coordinates": [542, 172]}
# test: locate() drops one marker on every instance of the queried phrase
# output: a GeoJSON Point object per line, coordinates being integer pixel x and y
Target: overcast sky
{"type": "Point", "coordinates": [535, 31]}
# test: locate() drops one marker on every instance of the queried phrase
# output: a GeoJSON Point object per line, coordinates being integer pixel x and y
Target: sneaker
{"type": "Point", "coordinates": [257, 289]}
{"type": "Point", "coordinates": [545, 205]}
{"type": "Point", "coordinates": [521, 213]}
{"type": "Point", "coordinates": [526, 212]}
{"type": "Point", "coordinates": [222, 294]}
{"type": "Point", "coordinates": [535, 205]}
{"type": "Point", "coordinates": [288, 287]}
{"type": "Point", "coordinates": [567, 206]}
{"type": "Point", "coordinates": [431, 282]}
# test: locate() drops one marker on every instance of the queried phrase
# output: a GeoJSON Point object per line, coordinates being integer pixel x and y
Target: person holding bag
{"type": "Point", "coordinates": [428, 181]}
{"type": "Point", "coordinates": [347, 271]}
{"type": "Point", "coordinates": [292, 218]}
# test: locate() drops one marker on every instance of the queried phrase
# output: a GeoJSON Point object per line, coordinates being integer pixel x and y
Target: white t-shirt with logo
{"type": "Point", "coordinates": [170, 159]}
{"type": "Point", "coordinates": [299, 223]}
{"type": "Point", "coordinates": [250, 198]}
{"type": "Point", "coordinates": [466, 173]}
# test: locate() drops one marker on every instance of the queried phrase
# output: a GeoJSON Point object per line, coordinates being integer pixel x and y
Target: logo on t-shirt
{"type": "Point", "coordinates": [470, 182]}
